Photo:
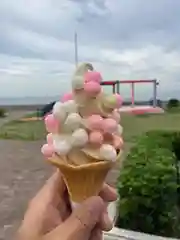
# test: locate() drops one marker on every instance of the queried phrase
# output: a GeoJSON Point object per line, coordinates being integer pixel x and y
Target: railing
{"type": "Point", "coordinates": [121, 234]}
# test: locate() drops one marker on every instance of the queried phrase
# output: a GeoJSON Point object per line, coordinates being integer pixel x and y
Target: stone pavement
{"type": "Point", "coordinates": [22, 172]}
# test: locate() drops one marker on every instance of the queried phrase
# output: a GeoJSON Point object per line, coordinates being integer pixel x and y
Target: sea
{"type": "Point", "coordinates": [16, 101]}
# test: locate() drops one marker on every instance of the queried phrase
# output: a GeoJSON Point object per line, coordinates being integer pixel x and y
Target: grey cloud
{"type": "Point", "coordinates": [89, 5]}
{"type": "Point", "coordinates": [44, 31]}
{"type": "Point", "coordinates": [20, 42]}
{"type": "Point", "coordinates": [131, 24]}
{"type": "Point", "coordinates": [136, 23]}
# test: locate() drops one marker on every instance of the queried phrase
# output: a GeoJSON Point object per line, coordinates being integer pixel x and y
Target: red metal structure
{"type": "Point", "coordinates": [116, 87]}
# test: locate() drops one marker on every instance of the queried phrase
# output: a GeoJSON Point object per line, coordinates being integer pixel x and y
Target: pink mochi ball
{"type": "Point", "coordinates": [93, 77]}
{"type": "Point", "coordinates": [92, 88]}
{"type": "Point", "coordinates": [96, 138]}
{"type": "Point", "coordinates": [119, 100]}
{"type": "Point", "coordinates": [47, 150]}
{"type": "Point", "coordinates": [94, 122]}
{"type": "Point", "coordinates": [109, 125]}
{"type": "Point", "coordinates": [67, 97]}
{"type": "Point", "coordinates": [51, 123]}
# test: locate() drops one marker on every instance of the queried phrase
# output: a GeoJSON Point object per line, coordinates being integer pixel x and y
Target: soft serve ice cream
{"type": "Point", "coordinates": [84, 133]}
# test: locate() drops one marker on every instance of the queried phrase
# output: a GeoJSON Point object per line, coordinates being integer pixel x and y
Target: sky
{"type": "Point", "coordinates": [123, 39]}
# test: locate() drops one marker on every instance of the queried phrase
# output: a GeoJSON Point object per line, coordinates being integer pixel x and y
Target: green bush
{"type": "Point", "coordinates": [148, 185]}
{"type": "Point", "coordinates": [173, 103]}
{"type": "Point", "coordinates": [2, 112]}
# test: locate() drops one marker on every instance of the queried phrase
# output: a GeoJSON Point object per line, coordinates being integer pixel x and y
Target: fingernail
{"type": "Point", "coordinates": [108, 224]}
{"type": "Point", "coordinates": [114, 191]}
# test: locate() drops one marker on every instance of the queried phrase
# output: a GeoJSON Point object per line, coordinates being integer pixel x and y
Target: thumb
{"type": "Point", "coordinates": [81, 222]}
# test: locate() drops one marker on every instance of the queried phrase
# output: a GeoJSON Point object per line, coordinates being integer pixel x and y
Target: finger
{"type": "Point", "coordinates": [58, 195]}
{"type": "Point", "coordinates": [96, 234]}
{"type": "Point", "coordinates": [82, 221]}
{"type": "Point", "coordinates": [65, 206]}
{"type": "Point", "coordinates": [108, 194]}
{"type": "Point", "coordinates": [53, 189]}
{"type": "Point", "coordinates": [54, 184]}
{"type": "Point", "coordinates": [106, 223]}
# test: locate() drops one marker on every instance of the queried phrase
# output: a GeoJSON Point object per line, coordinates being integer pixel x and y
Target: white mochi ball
{"type": "Point", "coordinates": [59, 111]}
{"type": "Point", "coordinates": [56, 137]}
{"type": "Point", "coordinates": [62, 147]}
{"type": "Point", "coordinates": [61, 137]}
{"type": "Point", "coordinates": [108, 152]}
{"type": "Point", "coordinates": [116, 116]}
{"type": "Point", "coordinates": [119, 130]}
{"type": "Point", "coordinates": [73, 121]}
{"type": "Point", "coordinates": [79, 138]}
{"type": "Point", "coordinates": [78, 82]}
{"type": "Point", "coordinates": [70, 106]}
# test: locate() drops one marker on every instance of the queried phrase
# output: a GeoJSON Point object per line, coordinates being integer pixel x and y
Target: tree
{"type": "Point", "coordinates": [173, 103]}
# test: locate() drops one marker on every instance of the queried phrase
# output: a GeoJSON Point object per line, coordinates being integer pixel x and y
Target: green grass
{"type": "Point", "coordinates": [29, 131]}
{"type": "Point", "coordinates": [33, 114]}
{"type": "Point", "coordinates": [136, 125]}
{"type": "Point", "coordinates": [174, 110]}
{"type": "Point", "coordinates": [133, 126]}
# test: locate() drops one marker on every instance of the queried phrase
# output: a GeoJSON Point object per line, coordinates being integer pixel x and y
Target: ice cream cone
{"type": "Point", "coordinates": [85, 136]}
{"type": "Point", "coordinates": [83, 180]}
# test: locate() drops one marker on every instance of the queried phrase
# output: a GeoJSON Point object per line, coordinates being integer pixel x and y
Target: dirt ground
{"type": "Point", "coordinates": [22, 172]}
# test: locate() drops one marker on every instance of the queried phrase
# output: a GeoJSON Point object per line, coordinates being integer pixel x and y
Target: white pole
{"type": "Point", "coordinates": [76, 48]}
{"type": "Point", "coordinates": [155, 93]}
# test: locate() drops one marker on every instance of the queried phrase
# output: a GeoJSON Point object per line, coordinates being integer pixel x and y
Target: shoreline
{"type": "Point", "coordinates": [38, 106]}
{"type": "Point", "coordinates": [30, 107]}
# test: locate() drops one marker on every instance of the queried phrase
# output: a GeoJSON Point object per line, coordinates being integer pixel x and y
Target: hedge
{"type": "Point", "coordinates": [148, 185]}
{"type": "Point", "coordinates": [2, 112]}
{"type": "Point", "coordinates": [173, 103]}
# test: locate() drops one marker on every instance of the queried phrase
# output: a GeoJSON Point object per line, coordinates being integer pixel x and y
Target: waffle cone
{"type": "Point", "coordinates": [83, 180]}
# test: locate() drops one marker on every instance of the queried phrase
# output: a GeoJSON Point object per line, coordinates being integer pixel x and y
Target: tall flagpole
{"type": "Point", "coordinates": [76, 48]}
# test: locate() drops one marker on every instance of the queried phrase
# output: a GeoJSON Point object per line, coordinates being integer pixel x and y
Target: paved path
{"type": "Point", "coordinates": [22, 172]}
